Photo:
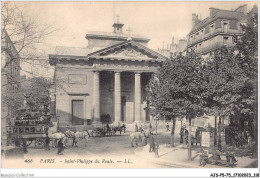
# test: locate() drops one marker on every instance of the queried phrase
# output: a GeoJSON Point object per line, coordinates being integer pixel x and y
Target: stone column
{"type": "Point", "coordinates": [96, 97]}
{"type": "Point", "coordinates": [137, 97]}
{"type": "Point", "coordinates": [117, 100]}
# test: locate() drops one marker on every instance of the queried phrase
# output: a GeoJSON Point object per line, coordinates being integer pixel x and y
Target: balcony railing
{"type": "Point", "coordinates": [216, 31]}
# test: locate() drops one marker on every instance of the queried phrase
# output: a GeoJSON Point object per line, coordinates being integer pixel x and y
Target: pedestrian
{"type": "Point", "coordinates": [124, 127]}
{"type": "Point", "coordinates": [136, 128]}
{"type": "Point", "coordinates": [167, 127]}
{"type": "Point", "coordinates": [25, 151]}
{"type": "Point", "coordinates": [60, 147]}
{"type": "Point", "coordinates": [141, 128]}
{"type": "Point", "coordinates": [186, 135]}
{"type": "Point", "coordinates": [152, 144]}
{"type": "Point", "coordinates": [47, 142]}
{"type": "Point", "coordinates": [181, 134]}
{"type": "Point", "coordinates": [250, 141]}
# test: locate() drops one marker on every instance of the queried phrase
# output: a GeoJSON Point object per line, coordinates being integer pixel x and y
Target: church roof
{"type": "Point", "coordinates": [149, 52]}
{"type": "Point", "coordinates": [137, 52]}
{"type": "Point", "coordinates": [97, 34]}
{"type": "Point", "coordinates": [65, 50]}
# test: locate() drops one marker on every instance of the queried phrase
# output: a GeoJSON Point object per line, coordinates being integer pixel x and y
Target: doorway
{"type": "Point", "coordinates": [77, 112]}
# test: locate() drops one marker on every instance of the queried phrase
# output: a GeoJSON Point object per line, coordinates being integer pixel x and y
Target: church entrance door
{"type": "Point", "coordinates": [77, 112]}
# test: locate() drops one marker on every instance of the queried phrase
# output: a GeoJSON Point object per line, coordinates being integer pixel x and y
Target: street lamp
{"type": "Point", "coordinates": [58, 123]}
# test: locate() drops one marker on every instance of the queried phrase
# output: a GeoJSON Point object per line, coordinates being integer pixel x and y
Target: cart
{"type": "Point", "coordinates": [32, 133]}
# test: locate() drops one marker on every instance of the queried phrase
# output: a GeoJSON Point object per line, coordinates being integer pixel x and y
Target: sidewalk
{"type": "Point", "coordinates": [177, 157]}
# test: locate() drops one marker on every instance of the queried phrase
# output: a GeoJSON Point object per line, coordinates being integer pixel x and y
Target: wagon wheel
{"type": "Point", "coordinates": [94, 133]}
{"type": "Point", "coordinates": [11, 140]}
{"type": "Point", "coordinates": [30, 142]}
{"type": "Point", "coordinates": [39, 143]}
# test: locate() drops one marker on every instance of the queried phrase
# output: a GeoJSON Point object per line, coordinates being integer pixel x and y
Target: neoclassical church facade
{"type": "Point", "coordinates": [106, 78]}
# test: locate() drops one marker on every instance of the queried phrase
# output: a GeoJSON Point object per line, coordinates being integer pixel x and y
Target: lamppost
{"type": "Point", "coordinates": [58, 123]}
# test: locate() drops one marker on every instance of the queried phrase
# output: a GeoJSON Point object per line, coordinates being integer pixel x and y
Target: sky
{"type": "Point", "coordinates": [158, 21]}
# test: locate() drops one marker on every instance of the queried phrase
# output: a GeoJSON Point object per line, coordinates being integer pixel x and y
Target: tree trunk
{"type": "Point", "coordinates": [181, 134]}
{"type": "Point", "coordinates": [173, 130]}
{"type": "Point", "coordinates": [215, 132]}
{"type": "Point", "coordinates": [219, 134]}
{"type": "Point", "coordinates": [189, 141]}
{"type": "Point", "coordinates": [255, 150]}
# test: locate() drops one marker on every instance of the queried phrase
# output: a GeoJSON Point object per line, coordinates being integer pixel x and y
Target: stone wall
{"type": "Point", "coordinates": [73, 82]}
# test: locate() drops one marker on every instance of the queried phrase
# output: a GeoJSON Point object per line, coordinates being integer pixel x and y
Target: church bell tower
{"type": "Point", "coordinates": [118, 26]}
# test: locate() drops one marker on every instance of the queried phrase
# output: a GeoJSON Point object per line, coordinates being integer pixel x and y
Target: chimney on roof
{"type": "Point", "coordinates": [195, 19]}
{"type": "Point", "coordinates": [242, 9]}
{"type": "Point", "coordinates": [172, 40]}
{"type": "Point", "coordinates": [212, 11]}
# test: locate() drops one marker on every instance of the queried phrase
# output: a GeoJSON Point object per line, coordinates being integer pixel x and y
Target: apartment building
{"type": "Point", "coordinates": [217, 30]}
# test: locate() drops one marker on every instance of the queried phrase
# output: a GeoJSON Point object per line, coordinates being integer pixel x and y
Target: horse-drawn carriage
{"type": "Point", "coordinates": [30, 133]}
{"type": "Point", "coordinates": [107, 131]}
{"type": "Point", "coordinates": [30, 128]}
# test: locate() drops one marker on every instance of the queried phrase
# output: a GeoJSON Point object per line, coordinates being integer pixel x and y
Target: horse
{"type": "Point", "coordinates": [147, 134]}
{"type": "Point", "coordinates": [90, 132]}
{"type": "Point", "coordinates": [137, 137]}
{"type": "Point", "coordinates": [80, 135]}
{"type": "Point", "coordinates": [57, 136]}
{"type": "Point", "coordinates": [118, 129]}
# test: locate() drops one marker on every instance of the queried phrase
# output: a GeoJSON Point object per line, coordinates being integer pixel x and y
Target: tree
{"type": "Point", "coordinates": [247, 57]}
{"type": "Point", "coordinates": [222, 80]}
{"type": "Point", "coordinates": [230, 77]}
{"type": "Point", "coordinates": [175, 90]}
{"type": "Point", "coordinates": [24, 29]}
{"type": "Point", "coordinates": [36, 93]}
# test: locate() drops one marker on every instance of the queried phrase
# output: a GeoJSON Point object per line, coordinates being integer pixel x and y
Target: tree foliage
{"type": "Point", "coordinates": [223, 80]}
{"type": "Point", "coordinates": [175, 89]}
{"type": "Point", "coordinates": [36, 93]}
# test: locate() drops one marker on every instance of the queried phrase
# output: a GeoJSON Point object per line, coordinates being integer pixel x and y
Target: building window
{"type": "Point", "coordinates": [77, 112]}
{"type": "Point", "coordinates": [225, 27]}
{"type": "Point", "coordinates": [211, 27]}
{"type": "Point", "coordinates": [234, 40]}
{"type": "Point", "coordinates": [225, 40]}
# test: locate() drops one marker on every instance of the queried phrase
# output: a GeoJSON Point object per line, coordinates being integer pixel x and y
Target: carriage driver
{"type": "Point", "coordinates": [68, 132]}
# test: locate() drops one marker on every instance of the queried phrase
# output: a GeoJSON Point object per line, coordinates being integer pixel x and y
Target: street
{"type": "Point", "coordinates": [108, 152]}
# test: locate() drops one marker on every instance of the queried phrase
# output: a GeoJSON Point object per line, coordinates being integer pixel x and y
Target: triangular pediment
{"type": "Point", "coordinates": [128, 49]}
